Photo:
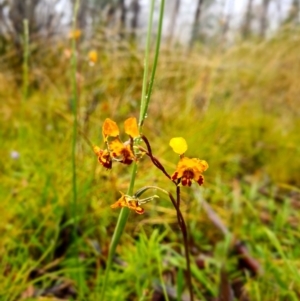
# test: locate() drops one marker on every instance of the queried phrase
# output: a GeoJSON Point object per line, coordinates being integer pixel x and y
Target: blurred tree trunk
{"type": "Point", "coordinates": [293, 13]}
{"type": "Point", "coordinates": [246, 27]}
{"type": "Point", "coordinates": [111, 12]}
{"type": "Point", "coordinates": [135, 7]}
{"type": "Point", "coordinates": [82, 14]}
{"type": "Point", "coordinates": [20, 10]}
{"type": "Point", "coordinates": [43, 19]}
{"type": "Point", "coordinates": [173, 21]}
{"type": "Point", "coordinates": [225, 22]}
{"type": "Point", "coordinates": [123, 13]}
{"type": "Point", "coordinates": [4, 26]}
{"type": "Point", "coordinates": [196, 24]}
{"type": "Point", "coordinates": [264, 18]}
{"type": "Point", "coordinates": [122, 18]}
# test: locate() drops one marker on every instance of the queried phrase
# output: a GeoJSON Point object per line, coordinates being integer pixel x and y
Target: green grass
{"type": "Point", "coordinates": [238, 110]}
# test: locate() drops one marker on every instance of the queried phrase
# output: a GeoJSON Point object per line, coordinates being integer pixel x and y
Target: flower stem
{"type": "Point", "coordinates": [182, 225]}
{"type": "Point", "coordinates": [25, 60]}
{"type": "Point", "coordinates": [183, 228]}
{"type": "Point", "coordinates": [123, 216]}
{"type": "Point", "coordinates": [154, 160]}
{"type": "Point", "coordinates": [74, 142]}
{"type": "Point", "coordinates": [25, 80]}
{"type": "Point", "coordinates": [160, 22]}
{"type": "Point", "coordinates": [144, 98]}
{"type": "Point", "coordinates": [176, 204]}
{"type": "Point", "coordinates": [143, 112]}
{"type": "Point", "coordinates": [146, 95]}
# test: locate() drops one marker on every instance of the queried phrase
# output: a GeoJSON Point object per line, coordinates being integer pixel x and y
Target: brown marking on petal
{"type": "Point", "coordinates": [133, 205]}
{"type": "Point", "coordinates": [127, 161]}
{"type": "Point", "coordinates": [105, 159]}
{"type": "Point", "coordinates": [187, 177]}
{"type": "Point", "coordinates": [107, 164]}
{"type": "Point", "coordinates": [200, 180]}
{"type": "Point", "coordinates": [184, 181]}
{"type": "Point", "coordinates": [139, 210]}
{"type": "Point", "coordinates": [174, 176]}
{"type": "Point", "coordinates": [127, 156]}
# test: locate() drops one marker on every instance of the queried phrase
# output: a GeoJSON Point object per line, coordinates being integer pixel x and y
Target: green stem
{"type": "Point", "coordinates": [144, 98]}
{"type": "Point", "coordinates": [25, 81]}
{"type": "Point", "coordinates": [25, 60]}
{"type": "Point", "coordinates": [123, 216]}
{"type": "Point", "coordinates": [183, 228]}
{"type": "Point", "coordinates": [150, 87]}
{"type": "Point", "coordinates": [74, 141]}
{"type": "Point", "coordinates": [143, 112]}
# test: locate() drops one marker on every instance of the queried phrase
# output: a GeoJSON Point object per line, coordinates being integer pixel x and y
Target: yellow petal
{"type": "Point", "coordinates": [109, 129]}
{"type": "Point", "coordinates": [199, 165]}
{"type": "Point", "coordinates": [96, 149]}
{"type": "Point", "coordinates": [178, 145]}
{"type": "Point", "coordinates": [93, 56]}
{"type": "Point", "coordinates": [131, 127]}
{"type": "Point", "coordinates": [116, 147]}
{"type": "Point", "coordinates": [75, 34]}
{"type": "Point", "coordinates": [121, 202]}
{"type": "Point", "coordinates": [204, 164]}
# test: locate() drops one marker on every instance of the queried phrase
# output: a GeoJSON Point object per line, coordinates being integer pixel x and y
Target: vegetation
{"type": "Point", "coordinates": [237, 108]}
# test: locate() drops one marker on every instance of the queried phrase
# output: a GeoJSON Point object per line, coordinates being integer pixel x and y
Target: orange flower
{"type": "Point", "coordinates": [104, 157]}
{"type": "Point", "coordinates": [129, 202]}
{"type": "Point", "coordinates": [116, 150]}
{"type": "Point", "coordinates": [75, 34]}
{"type": "Point", "coordinates": [121, 152]}
{"type": "Point", "coordinates": [93, 57]}
{"type": "Point", "coordinates": [190, 169]}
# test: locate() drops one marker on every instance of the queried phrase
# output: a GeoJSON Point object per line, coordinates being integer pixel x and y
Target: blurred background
{"type": "Point", "coordinates": [185, 22]}
{"type": "Point", "coordinates": [227, 81]}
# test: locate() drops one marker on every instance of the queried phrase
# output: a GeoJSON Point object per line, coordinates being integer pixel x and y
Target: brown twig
{"type": "Point", "coordinates": [176, 204]}
{"type": "Point", "coordinates": [153, 159]}
{"type": "Point", "coordinates": [183, 228]}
